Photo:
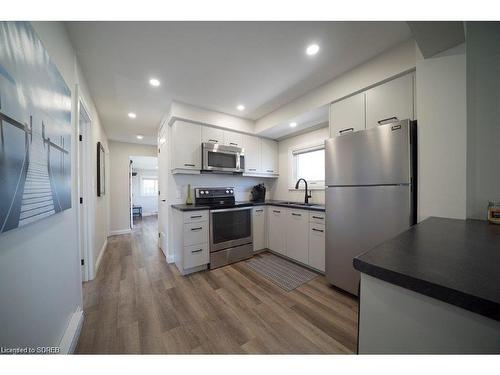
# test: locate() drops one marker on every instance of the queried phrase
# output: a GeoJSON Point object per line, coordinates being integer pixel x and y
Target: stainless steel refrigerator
{"type": "Point", "coordinates": [371, 194]}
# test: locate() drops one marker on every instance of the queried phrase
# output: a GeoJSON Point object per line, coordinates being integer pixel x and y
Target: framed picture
{"type": "Point", "coordinates": [101, 168]}
{"type": "Point", "coordinates": [35, 130]}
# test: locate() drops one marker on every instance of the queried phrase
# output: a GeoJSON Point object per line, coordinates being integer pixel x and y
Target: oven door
{"type": "Point", "coordinates": [221, 158]}
{"type": "Point", "coordinates": [230, 227]}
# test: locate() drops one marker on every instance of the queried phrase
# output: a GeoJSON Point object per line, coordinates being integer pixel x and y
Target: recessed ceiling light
{"type": "Point", "coordinates": [139, 136]}
{"type": "Point", "coordinates": [312, 49]}
{"type": "Point", "coordinates": [240, 107]}
{"type": "Point", "coordinates": [293, 124]}
{"type": "Point", "coordinates": [132, 115]}
{"type": "Point", "coordinates": [154, 82]}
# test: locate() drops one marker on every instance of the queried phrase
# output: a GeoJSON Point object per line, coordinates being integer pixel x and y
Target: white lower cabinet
{"type": "Point", "coordinates": [297, 228]}
{"type": "Point", "coordinates": [317, 246]}
{"type": "Point", "coordinates": [298, 234]}
{"type": "Point", "coordinates": [276, 224]}
{"type": "Point", "coordinates": [190, 240]}
{"type": "Point", "coordinates": [259, 228]}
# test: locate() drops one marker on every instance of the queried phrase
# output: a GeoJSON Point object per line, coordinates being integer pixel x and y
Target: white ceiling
{"type": "Point", "coordinates": [144, 162]}
{"type": "Point", "coordinates": [215, 65]}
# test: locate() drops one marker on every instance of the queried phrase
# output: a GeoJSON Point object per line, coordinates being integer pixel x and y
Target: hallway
{"type": "Point", "coordinates": [140, 304]}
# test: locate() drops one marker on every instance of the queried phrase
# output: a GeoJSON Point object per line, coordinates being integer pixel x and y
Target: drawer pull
{"type": "Point", "coordinates": [234, 144]}
{"type": "Point", "coordinates": [259, 210]}
{"type": "Point", "coordinates": [197, 228]}
{"type": "Point", "coordinates": [318, 230]}
{"type": "Point", "coordinates": [270, 170]}
{"type": "Point", "coordinates": [252, 169]}
{"type": "Point", "coordinates": [195, 217]}
{"type": "Point", "coordinates": [213, 140]}
{"type": "Point", "coordinates": [189, 165]}
{"type": "Point", "coordinates": [346, 130]}
{"type": "Point", "coordinates": [318, 217]}
{"type": "Point", "coordinates": [277, 211]}
{"type": "Point", "coordinates": [294, 214]}
{"type": "Point", "coordinates": [196, 251]}
{"type": "Point", "coordinates": [387, 120]}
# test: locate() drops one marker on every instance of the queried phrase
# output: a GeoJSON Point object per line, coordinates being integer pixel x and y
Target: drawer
{"type": "Point", "coordinates": [196, 255]}
{"type": "Point", "coordinates": [195, 216]}
{"type": "Point", "coordinates": [316, 217]}
{"type": "Point", "coordinates": [195, 233]}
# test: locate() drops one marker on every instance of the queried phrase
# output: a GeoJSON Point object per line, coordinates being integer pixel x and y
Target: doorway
{"type": "Point", "coordinates": [84, 189]}
{"type": "Point", "coordinates": [143, 189]}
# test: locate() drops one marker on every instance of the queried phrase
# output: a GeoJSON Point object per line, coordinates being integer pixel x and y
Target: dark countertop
{"type": "Point", "coordinates": [455, 261]}
{"type": "Point", "coordinates": [314, 207]}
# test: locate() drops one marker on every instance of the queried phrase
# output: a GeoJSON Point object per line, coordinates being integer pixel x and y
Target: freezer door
{"type": "Point", "coordinates": [358, 219]}
{"type": "Point", "coordinates": [374, 156]}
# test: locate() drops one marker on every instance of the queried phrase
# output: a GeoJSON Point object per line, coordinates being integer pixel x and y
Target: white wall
{"type": "Point", "coordinates": [442, 136]}
{"type": "Point", "coordinates": [40, 278]}
{"type": "Point", "coordinates": [281, 189]}
{"type": "Point", "coordinates": [483, 111]}
{"type": "Point", "coordinates": [119, 157]}
{"type": "Point", "coordinates": [149, 204]}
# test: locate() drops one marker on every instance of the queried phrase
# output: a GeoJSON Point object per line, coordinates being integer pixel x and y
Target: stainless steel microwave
{"type": "Point", "coordinates": [221, 158]}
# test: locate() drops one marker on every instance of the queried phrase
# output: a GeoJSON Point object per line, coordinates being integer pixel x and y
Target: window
{"type": "Point", "coordinates": [309, 164]}
{"type": "Point", "coordinates": [149, 186]}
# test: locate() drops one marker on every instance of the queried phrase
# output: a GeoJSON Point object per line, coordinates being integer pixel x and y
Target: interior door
{"type": "Point", "coordinates": [162, 187]}
{"type": "Point", "coordinates": [358, 219]}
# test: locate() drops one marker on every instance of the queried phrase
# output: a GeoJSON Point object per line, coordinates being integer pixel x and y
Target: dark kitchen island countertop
{"type": "Point", "coordinates": [294, 205]}
{"type": "Point", "coordinates": [455, 261]}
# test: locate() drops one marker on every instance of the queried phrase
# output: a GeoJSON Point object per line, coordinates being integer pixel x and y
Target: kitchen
{"type": "Point", "coordinates": [319, 187]}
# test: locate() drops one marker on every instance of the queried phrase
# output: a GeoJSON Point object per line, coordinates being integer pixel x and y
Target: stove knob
{"type": "Point", "coordinates": [231, 191]}
{"type": "Point", "coordinates": [227, 191]}
{"type": "Point", "coordinates": [202, 192]}
{"type": "Point", "coordinates": [206, 191]}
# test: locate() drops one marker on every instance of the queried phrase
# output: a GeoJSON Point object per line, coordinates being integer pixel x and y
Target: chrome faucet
{"type": "Point", "coordinates": [307, 194]}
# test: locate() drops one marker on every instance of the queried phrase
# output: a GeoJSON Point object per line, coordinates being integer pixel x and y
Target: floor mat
{"type": "Point", "coordinates": [282, 272]}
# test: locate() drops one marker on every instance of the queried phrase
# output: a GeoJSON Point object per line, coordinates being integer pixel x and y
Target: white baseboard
{"type": "Point", "coordinates": [120, 231]}
{"type": "Point", "coordinates": [103, 249]}
{"type": "Point", "coordinates": [69, 340]}
{"type": "Point", "coordinates": [170, 259]}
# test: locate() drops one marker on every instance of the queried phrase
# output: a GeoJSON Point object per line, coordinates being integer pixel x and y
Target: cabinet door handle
{"type": "Point", "coordinates": [270, 170]}
{"type": "Point", "coordinates": [346, 130]}
{"type": "Point", "coordinates": [387, 120]}
{"type": "Point", "coordinates": [318, 230]}
{"type": "Point", "coordinates": [259, 210]}
{"type": "Point", "coordinates": [294, 214]}
{"type": "Point", "coordinates": [318, 217]}
{"type": "Point", "coordinates": [196, 251]}
{"type": "Point", "coordinates": [213, 140]}
{"type": "Point", "coordinates": [195, 217]}
{"type": "Point", "coordinates": [163, 200]}
{"type": "Point", "coordinates": [189, 165]}
{"type": "Point", "coordinates": [197, 228]}
{"type": "Point", "coordinates": [252, 169]}
{"type": "Point", "coordinates": [277, 211]}
{"type": "Point", "coordinates": [234, 144]}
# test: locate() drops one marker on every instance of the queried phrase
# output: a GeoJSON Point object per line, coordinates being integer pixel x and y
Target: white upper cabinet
{"type": "Point", "coordinates": [252, 148]}
{"type": "Point", "coordinates": [212, 135]}
{"type": "Point", "coordinates": [347, 115]}
{"type": "Point", "coordinates": [186, 146]}
{"type": "Point", "coordinates": [392, 100]}
{"type": "Point", "coordinates": [269, 152]}
{"type": "Point", "coordinates": [233, 138]}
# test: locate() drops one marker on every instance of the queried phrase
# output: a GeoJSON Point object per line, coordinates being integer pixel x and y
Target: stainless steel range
{"type": "Point", "coordinates": [231, 238]}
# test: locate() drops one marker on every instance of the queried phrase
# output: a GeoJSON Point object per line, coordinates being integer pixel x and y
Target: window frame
{"type": "Point", "coordinates": [292, 162]}
{"type": "Point", "coordinates": [141, 186]}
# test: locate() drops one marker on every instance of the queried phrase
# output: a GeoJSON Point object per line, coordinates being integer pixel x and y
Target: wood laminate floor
{"type": "Point", "coordinates": [140, 304]}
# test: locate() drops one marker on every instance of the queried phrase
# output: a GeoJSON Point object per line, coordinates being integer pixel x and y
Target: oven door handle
{"type": "Point", "coordinates": [231, 209]}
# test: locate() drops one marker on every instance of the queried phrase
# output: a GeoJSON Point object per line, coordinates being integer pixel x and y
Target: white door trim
{"type": "Point", "coordinates": [86, 210]}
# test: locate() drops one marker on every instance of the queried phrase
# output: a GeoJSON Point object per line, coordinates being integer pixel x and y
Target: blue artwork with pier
{"type": "Point", "coordinates": [35, 130]}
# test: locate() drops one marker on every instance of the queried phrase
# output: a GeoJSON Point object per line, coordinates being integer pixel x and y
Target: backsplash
{"type": "Point", "coordinates": [242, 185]}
